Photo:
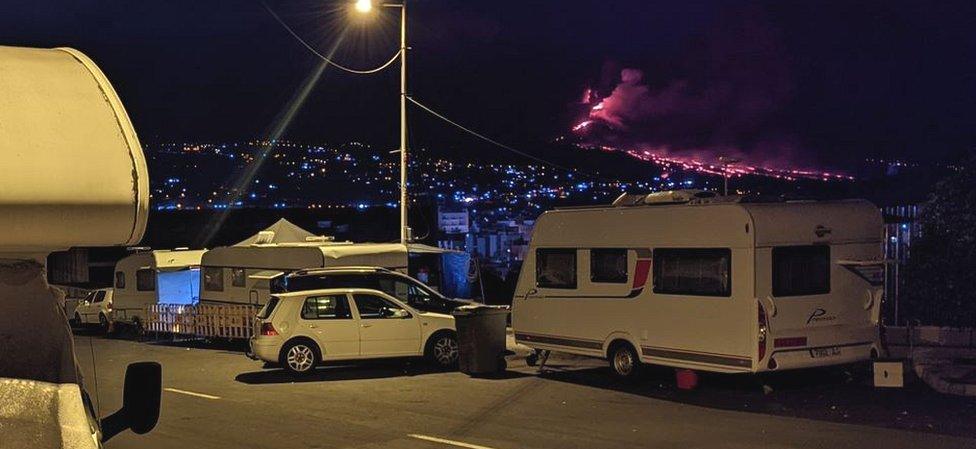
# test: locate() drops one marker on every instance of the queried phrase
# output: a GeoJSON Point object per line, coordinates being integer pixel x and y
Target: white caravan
{"type": "Point", "coordinates": [723, 284]}
{"type": "Point", "coordinates": [242, 273]}
{"type": "Point", "coordinates": [152, 277]}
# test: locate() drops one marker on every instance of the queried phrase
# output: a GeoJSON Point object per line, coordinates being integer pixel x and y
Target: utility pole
{"type": "Point", "coordinates": [404, 202]}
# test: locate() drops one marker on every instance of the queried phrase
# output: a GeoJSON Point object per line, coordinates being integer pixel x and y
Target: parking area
{"type": "Point", "coordinates": [215, 397]}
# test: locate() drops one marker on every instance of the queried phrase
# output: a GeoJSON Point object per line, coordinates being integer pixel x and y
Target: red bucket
{"type": "Point", "coordinates": [687, 379]}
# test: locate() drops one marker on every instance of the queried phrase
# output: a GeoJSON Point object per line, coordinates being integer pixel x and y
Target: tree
{"type": "Point", "coordinates": [939, 285]}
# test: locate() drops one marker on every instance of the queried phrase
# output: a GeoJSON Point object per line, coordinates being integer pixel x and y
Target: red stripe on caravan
{"type": "Point", "coordinates": [640, 273]}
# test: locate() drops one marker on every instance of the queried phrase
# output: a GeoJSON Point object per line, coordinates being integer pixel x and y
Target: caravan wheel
{"type": "Point", "coordinates": [624, 361]}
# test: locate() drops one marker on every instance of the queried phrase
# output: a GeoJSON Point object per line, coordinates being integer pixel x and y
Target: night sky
{"type": "Point", "coordinates": [837, 80]}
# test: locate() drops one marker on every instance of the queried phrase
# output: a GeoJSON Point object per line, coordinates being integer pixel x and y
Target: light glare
{"type": "Point", "coordinates": [364, 6]}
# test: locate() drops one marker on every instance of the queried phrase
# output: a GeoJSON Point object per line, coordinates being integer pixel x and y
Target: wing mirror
{"type": "Point", "coordinates": [140, 401]}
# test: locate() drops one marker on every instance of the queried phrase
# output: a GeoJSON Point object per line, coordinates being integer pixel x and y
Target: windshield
{"type": "Point", "coordinates": [268, 308]}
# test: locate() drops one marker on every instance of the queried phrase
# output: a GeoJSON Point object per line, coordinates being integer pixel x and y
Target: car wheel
{"type": "Point", "coordinates": [443, 350]}
{"type": "Point", "coordinates": [624, 361]}
{"type": "Point", "coordinates": [103, 323]}
{"type": "Point", "coordinates": [300, 357]}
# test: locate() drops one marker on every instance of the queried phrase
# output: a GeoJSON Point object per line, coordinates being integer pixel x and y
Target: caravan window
{"type": "Point", "coordinates": [119, 279]}
{"type": "Point", "coordinates": [555, 268]}
{"type": "Point", "coordinates": [213, 279]}
{"type": "Point", "coordinates": [693, 271]}
{"type": "Point", "coordinates": [608, 265]}
{"type": "Point", "coordinates": [801, 270]}
{"type": "Point", "coordinates": [145, 280]}
{"type": "Point", "coordinates": [237, 277]}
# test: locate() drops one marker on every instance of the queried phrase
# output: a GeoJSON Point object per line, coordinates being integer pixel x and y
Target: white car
{"type": "Point", "coordinates": [96, 308]}
{"type": "Point", "coordinates": [300, 330]}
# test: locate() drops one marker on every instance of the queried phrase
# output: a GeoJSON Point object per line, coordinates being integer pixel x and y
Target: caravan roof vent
{"type": "Point", "coordinates": [676, 196]}
{"type": "Point", "coordinates": [628, 199]}
{"type": "Point", "coordinates": [264, 237]}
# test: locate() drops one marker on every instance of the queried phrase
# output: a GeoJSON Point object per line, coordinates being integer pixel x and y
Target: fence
{"type": "Point", "coordinates": [207, 321]}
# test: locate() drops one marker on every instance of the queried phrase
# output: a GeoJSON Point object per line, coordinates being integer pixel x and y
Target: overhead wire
{"type": "Point", "coordinates": [324, 57]}
{"type": "Point", "coordinates": [499, 144]}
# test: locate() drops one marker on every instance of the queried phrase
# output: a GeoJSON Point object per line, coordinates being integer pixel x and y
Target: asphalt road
{"type": "Point", "coordinates": [217, 398]}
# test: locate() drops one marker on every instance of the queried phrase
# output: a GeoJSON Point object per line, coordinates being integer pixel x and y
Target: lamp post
{"type": "Point", "coordinates": [726, 161]}
{"type": "Point", "coordinates": [366, 6]}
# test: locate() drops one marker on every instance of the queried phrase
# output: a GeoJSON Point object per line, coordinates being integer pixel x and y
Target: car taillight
{"type": "Point", "coordinates": [763, 330]}
{"type": "Point", "coordinates": [108, 307]}
{"type": "Point", "coordinates": [268, 330]}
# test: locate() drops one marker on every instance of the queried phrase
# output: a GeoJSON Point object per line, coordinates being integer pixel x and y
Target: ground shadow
{"type": "Point", "coordinates": [358, 370]}
{"type": "Point", "coordinates": [834, 394]}
{"type": "Point", "coordinates": [235, 346]}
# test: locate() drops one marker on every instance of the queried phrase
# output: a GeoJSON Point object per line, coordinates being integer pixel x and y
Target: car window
{"type": "Point", "coordinates": [412, 293]}
{"type": "Point", "coordinates": [321, 281]}
{"type": "Point", "coordinates": [268, 308]}
{"type": "Point", "coordinates": [326, 307]}
{"type": "Point", "coordinates": [90, 296]}
{"type": "Point", "coordinates": [375, 307]}
{"type": "Point", "coordinates": [99, 296]}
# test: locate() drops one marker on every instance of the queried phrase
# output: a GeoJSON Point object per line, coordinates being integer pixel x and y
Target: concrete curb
{"type": "Point", "coordinates": [932, 375]}
{"type": "Point", "coordinates": [936, 368]}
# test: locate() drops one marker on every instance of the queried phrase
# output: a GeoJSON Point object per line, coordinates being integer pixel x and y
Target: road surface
{"type": "Point", "coordinates": [219, 399]}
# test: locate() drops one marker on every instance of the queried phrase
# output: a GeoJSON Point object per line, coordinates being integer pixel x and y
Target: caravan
{"type": "Point", "coordinates": [249, 271]}
{"type": "Point", "coordinates": [153, 277]}
{"type": "Point", "coordinates": [689, 280]}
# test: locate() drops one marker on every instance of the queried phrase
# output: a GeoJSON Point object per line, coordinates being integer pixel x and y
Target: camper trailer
{"type": "Point", "coordinates": [722, 284]}
{"type": "Point", "coordinates": [72, 173]}
{"type": "Point", "coordinates": [244, 273]}
{"type": "Point", "coordinates": [152, 277]}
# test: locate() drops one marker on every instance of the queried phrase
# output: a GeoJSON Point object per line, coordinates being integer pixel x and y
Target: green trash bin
{"type": "Point", "coordinates": [481, 338]}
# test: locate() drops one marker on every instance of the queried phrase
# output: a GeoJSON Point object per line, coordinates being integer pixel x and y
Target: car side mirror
{"type": "Point", "coordinates": [140, 401]}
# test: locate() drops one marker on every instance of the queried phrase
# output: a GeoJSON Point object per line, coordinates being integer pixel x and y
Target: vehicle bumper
{"type": "Point", "coordinates": [265, 349]}
{"type": "Point", "coordinates": [827, 356]}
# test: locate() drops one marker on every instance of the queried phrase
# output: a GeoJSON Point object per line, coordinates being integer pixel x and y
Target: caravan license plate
{"type": "Point", "coordinates": [820, 353]}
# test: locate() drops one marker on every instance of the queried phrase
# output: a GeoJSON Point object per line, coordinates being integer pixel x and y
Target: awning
{"type": "Point", "coordinates": [267, 275]}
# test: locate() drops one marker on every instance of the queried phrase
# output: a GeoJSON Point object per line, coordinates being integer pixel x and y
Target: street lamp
{"type": "Point", "coordinates": [726, 161]}
{"type": "Point", "coordinates": [365, 6]}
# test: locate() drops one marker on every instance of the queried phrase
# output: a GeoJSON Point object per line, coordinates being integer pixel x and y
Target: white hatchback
{"type": "Point", "coordinates": [96, 308]}
{"type": "Point", "coordinates": [300, 330]}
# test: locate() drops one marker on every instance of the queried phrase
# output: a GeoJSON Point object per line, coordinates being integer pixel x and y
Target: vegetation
{"type": "Point", "coordinates": [940, 277]}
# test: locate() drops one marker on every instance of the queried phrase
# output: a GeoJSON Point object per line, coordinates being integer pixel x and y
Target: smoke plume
{"type": "Point", "coordinates": [732, 99]}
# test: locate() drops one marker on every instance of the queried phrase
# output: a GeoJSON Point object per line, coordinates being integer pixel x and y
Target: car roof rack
{"type": "Point", "coordinates": [343, 268]}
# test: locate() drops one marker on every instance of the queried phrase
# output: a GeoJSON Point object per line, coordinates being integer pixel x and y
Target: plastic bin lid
{"type": "Point", "coordinates": [479, 309]}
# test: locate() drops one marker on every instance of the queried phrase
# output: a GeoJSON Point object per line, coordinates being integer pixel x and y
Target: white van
{"type": "Point", "coordinates": [723, 284]}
